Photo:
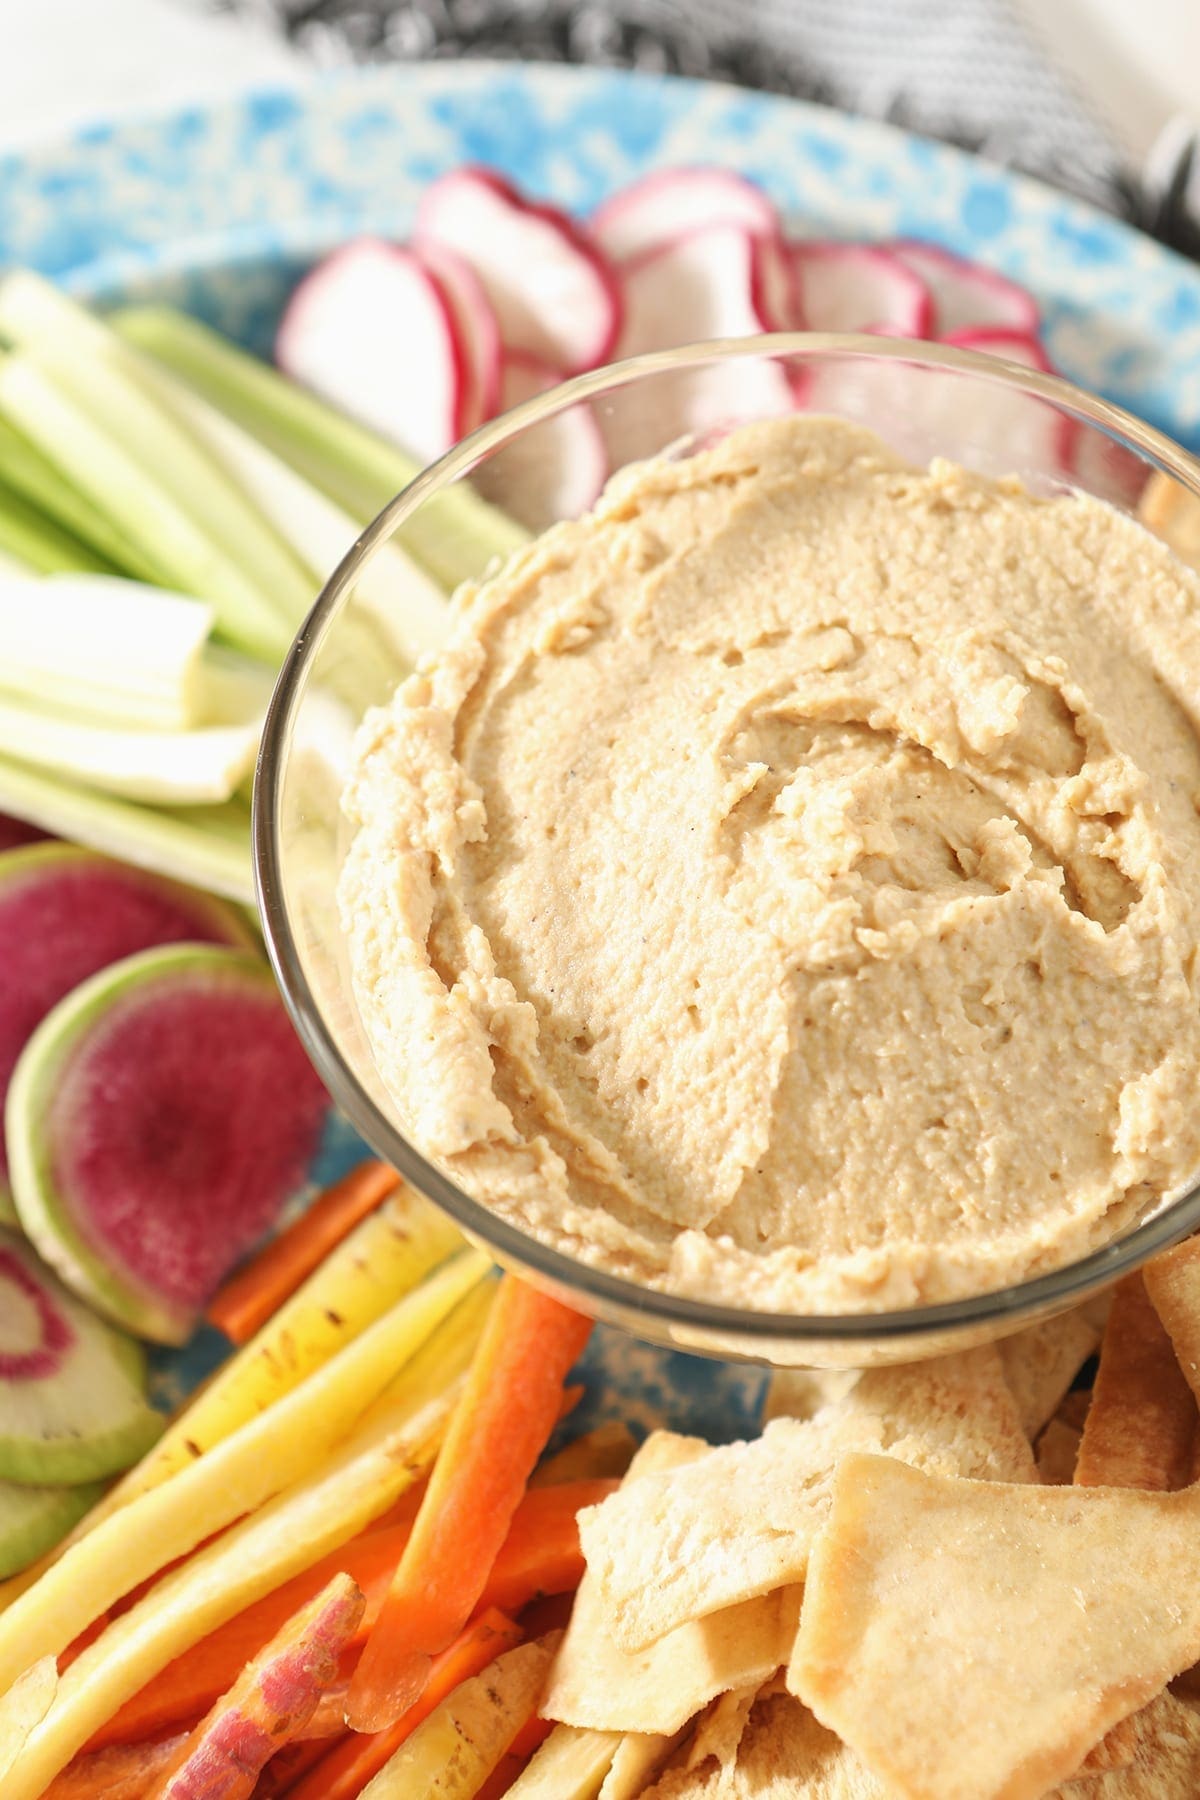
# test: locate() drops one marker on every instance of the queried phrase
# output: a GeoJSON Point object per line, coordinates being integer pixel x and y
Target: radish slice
{"type": "Point", "coordinates": [668, 205]}
{"type": "Point", "coordinates": [719, 282]}
{"type": "Point", "coordinates": [965, 293]}
{"type": "Point", "coordinates": [1021, 347]}
{"type": "Point", "coordinates": [14, 832]}
{"type": "Point", "coordinates": [1105, 468]}
{"type": "Point", "coordinates": [997, 430]}
{"type": "Point", "coordinates": [372, 329]}
{"type": "Point", "coordinates": [859, 287]}
{"type": "Point", "coordinates": [477, 327]}
{"type": "Point", "coordinates": [158, 1120]}
{"type": "Point", "coordinates": [557, 469]}
{"type": "Point", "coordinates": [64, 913]}
{"type": "Point", "coordinates": [552, 291]}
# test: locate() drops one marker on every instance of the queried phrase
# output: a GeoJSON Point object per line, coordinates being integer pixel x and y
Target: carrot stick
{"type": "Point", "coordinates": [499, 1428]}
{"type": "Point", "coordinates": [259, 1289]}
{"type": "Point", "coordinates": [531, 1737]}
{"type": "Point", "coordinates": [124, 1772]}
{"type": "Point", "coordinates": [540, 1555]}
{"type": "Point", "coordinates": [501, 1777]}
{"type": "Point", "coordinates": [347, 1769]}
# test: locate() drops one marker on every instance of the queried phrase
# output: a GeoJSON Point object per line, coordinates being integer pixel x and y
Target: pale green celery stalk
{"type": "Point", "coordinates": [453, 537]}
{"type": "Point", "coordinates": [405, 602]}
{"type": "Point", "coordinates": [171, 768]}
{"type": "Point", "coordinates": [39, 543]}
{"type": "Point", "coordinates": [28, 473]}
{"type": "Point", "coordinates": [206, 846]}
{"type": "Point", "coordinates": [101, 374]}
{"type": "Point", "coordinates": [106, 647]}
{"type": "Point", "coordinates": [94, 457]}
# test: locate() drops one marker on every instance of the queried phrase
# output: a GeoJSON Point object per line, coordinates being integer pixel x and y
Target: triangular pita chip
{"type": "Point", "coordinates": [783, 1754]}
{"type": "Point", "coordinates": [738, 1521]}
{"type": "Point", "coordinates": [639, 1757]}
{"type": "Point", "coordinates": [1141, 1425]}
{"type": "Point", "coordinates": [594, 1683]}
{"type": "Point", "coordinates": [1041, 1362]}
{"type": "Point", "coordinates": [1017, 1624]}
{"type": "Point", "coordinates": [1172, 1281]}
{"type": "Point", "coordinates": [1164, 1762]}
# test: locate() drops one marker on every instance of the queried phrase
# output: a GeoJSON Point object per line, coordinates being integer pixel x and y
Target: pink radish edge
{"type": "Point", "coordinates": [478, 328]}
{"type": "Point", "coordinates": [966, 294]}
{"type": "Point", "coordinates": [327, 341]}
{"type": "Point", "coordinates": [594, 351]}
{"type": "Point", "coordinates": [619, 224]}
{"type": "Point", "coordinates": [906, 312]}
{"type": "Point", "coordinates": [538, 494]}
{"type": "Point", "coordinates": [1027, 349]}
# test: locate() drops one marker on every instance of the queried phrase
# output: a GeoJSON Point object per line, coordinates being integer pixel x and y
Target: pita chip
{"type": "Point", "coordinates": [638, 1759]}
{"type": "Point", "coordinates": [802, 1393]}
{"type": "Point", "coordinates": [1172, 1281]}
{"type": "Point", "coordinates": [1016, 1624]}
{"type": "Point", "coordinates": [737, 1522]}
{"type": "Point", "coordinates": [1141, 1425]}
{"type": "Point", "coordinates": [1173, 513]}
{"type": "Point", "coordinates": [783, 1754]}
{"type": "Point", "coordinates": [595, 1683]}
{"type": "Point", "coordinates": [1057, 1453]}
{"type": "Point", "coordinates": [1041, 1362]}
{"type": "Point", "coordinates": [1164, 1762]}
{"type": "Point", "coordinates": [719, 1733]}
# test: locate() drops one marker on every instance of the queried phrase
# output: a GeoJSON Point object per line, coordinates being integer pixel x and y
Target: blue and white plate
{"type": "Point", "coordinates": [218, 210]}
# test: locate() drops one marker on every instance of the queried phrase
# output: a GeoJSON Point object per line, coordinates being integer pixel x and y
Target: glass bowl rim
{"type": "Point", "coordinates": [1051, 1291]}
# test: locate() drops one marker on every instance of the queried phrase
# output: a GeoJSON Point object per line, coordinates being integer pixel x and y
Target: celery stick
{"type": "Point", "coordinates": [453, 537]}
{"type": "Point", "coordinates": [100, 373]}
{"type": "Point", "coordinates": [95, 459]}
{"type": "Point", "coordinates": [39, 543]}
{"type": "Point", "coordinates": [401, 597]}
{"type": "Point", "coordinates": [207, 846]}
{"type": "Point", "coordinates": [176, 768]}
{"type": "Point", "coordinates": [28, 473]}
{"type": "Point", "coordinates": [232, 687]}
{"type": "Point", "coordinates": [104, 646]}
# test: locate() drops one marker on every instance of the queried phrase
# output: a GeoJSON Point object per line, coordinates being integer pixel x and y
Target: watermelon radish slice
{"type": "Point", "coordinates": [859, 287]}
{"type": "Point", "coordinates": [555, 471]}
{"type": "Point", "coordinates": [667, 205]}
{"type": "Point", "coordinates": [158, 1119]}
{"type": "Point", "coordinates": [553, 292]}
{"type": "Point", "coordinates": [34, 1519]}
{"type": "Point", "coordinates": [478, 331]}
{"type": "Point", "coordinates": [64, 913]}
{"type": "Point", "coordinates": [965, 293]}
{"type": "Point", "coordinates": [719, 282]}
{"type": "Point", "coordinates": [72, 1390]}
{"type": "Point", "coordinates": [15, 831]}
{"type": "Point", "coordinates": [373, 329]}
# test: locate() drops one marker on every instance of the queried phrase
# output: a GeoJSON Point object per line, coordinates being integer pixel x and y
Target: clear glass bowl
{"type": "Point", "coordinates": [926, 400]}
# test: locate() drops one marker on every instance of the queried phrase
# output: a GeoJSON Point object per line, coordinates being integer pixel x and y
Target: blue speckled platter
{"type": "Point", "coordinates": [218, 210]}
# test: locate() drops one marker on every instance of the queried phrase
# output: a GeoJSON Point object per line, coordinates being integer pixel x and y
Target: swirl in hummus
{"type": "Point", "coordinates": [785, 887]}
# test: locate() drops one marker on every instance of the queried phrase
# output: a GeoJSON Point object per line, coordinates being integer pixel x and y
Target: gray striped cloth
{"type": "Point", "coordinates": [968, 71]}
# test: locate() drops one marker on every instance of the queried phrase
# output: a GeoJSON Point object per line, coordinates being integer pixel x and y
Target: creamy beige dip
{"type": "Point", "coordinates": [785, 888]}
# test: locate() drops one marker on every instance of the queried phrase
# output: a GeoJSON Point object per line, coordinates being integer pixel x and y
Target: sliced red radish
{"type": "Point", "coordinates": [646, 214]}
{"type": "Point", "coordinates": [924, 412]}
{"type": "Point", "coordinates": [17, 831]}
{"type": "Point", "coordinates": [552, 290]}
{"type": "Point", "coordinates": [158, 1119]}
{"type": "Point", "coordinates": [554, 471]}
{"type": "Point", "coordinates": [64, 913]}
{"type": "Point", "coordinates": [373, 329]}
{"type": "Point", "coordinates": [859, 287]}
{"type": "Point", "coordinates": [1105, 468]}
{"type": "Point", "coordinates": [966, 293]}
{"type": "Point", "coordinates": [1021, 347]}
{"type": "Point", "coordinates": [478, 330]}
{"type": "Point", "coordinates": [719, 282]}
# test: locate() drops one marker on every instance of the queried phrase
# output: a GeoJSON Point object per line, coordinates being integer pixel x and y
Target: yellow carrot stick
{"type": "Point", "coordinates": [271, 1452]}
{"type": "Point", "coordinates": [391, 1448]}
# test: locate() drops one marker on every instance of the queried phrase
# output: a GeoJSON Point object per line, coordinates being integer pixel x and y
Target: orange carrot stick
{"type": "Point", "coordinates": [501, 1777]}
{"type": "Point", "coordinates": [123, 1772]}
{"type": "Point", "coordinates": [499, 1428]}
{"type": "Point", "coordinates": [345, 1772]}
{"type": "Point", "coordinates": [248, 1298]}
{"type": "Point", "coordinates": [531, 1737]}
{"type": "Point", "coordinates": [540, 1555]}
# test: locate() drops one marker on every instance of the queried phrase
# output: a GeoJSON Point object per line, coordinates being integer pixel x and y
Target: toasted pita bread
{"type": "Point", "coordinates": [1172, 1281]}
{"type": "Point", "coordinates": [1016, 1624]}
{"type": "Point", "coordinates": [638, 1759]}
{"type": "Point", "coordinates": [802, 1393]}
{"type": "Point", "coordinates": [1041, 1362]}
{"type": "Point", "coordinates": [1141, 1425]}
{"type": "Point", "coordinates": [1172, 513]}
{"type": "Point", "coordinates": [1164, 1763]}
{"type": "Point", "coordinates": [783, 1754]}
{"type": "Point", "coordinates": [595, 1683]}
{"type": "Point", "coordinates": [719, 1730]}
{"type": "Point", "coordinates": [1057, 1453]}
{"type": "Point", "coordinates": [737, 1522]}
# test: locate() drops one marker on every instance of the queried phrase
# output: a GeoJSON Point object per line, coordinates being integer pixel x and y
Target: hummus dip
{"type": "Point", "coordinates": [785, 887]}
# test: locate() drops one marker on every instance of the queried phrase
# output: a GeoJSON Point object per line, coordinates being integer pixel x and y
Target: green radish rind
{"type": "Point", "coordinates": [86, 1419]}
{"type": "Point", "coordinates": [34, 1519]}
{"type": "Point", "coordinates": [44, 1213]}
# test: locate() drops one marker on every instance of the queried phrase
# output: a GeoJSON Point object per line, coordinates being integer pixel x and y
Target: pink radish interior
{"type": "Point", "coordinates": [180, 1126]}
{"type": "Point", "coordinates": [33, 1333]}
{"type": "Point", "coordinates": [61, 922]}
